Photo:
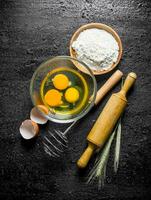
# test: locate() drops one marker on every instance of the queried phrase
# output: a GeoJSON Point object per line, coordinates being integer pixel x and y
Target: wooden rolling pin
{"type": "Point", "coordinates": [106, 121]}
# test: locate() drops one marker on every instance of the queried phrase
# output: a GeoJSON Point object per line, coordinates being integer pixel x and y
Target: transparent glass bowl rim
{"type": "Point", "coordinates": [80, 115]}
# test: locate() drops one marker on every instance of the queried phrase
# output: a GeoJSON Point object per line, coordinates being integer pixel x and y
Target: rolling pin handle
{"type": "Point", "coordinates": [84, 159]}
{"type": "Point", "coordinates": [130, 80]}
{"type": "Point", "coordinates": [108, 85]}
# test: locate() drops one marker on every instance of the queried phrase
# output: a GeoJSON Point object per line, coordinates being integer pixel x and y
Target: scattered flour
{"type": "Point", "coordinates": [96, 48]}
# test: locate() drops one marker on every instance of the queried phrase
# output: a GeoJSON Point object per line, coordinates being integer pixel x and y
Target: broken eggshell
{"type": "Point", "coordinates": [36, 116]}
{"type": "Point", "coordinates": [28, 129]}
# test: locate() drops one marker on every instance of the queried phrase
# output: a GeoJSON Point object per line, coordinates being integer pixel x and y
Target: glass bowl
{"type": "Point", "coordinates": [55, 64]}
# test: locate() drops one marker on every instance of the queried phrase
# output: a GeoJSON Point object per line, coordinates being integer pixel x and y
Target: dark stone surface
{"type": "Point", "coordinates": [32, 31]}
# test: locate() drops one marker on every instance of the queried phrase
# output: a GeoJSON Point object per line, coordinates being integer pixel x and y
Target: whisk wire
{"type": "Point", "coordinates": [60, 134]}
{"type": "Point", "coordinates": [49, 151]}
{"type": "Point", "coordinates": [58, 140]}
{"type": "Point", "coordinates": [54, 143]}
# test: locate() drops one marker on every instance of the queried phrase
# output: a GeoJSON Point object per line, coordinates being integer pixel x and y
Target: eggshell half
{"type": "Point", "coordinates": [28, 129]}
{"type": "Point", "coordinates": [36, 116]}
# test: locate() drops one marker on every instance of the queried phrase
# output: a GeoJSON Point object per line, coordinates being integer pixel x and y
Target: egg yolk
{"type": "Point", "coordinates": [72, 95]}
{"type": "Point", "coordinates": [61, 81]}
{"type": "Point", "coordinates": [53, 98]}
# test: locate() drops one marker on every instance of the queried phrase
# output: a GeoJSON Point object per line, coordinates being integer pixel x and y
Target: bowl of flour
{"type": "Point", "coordinates": [98, 46]}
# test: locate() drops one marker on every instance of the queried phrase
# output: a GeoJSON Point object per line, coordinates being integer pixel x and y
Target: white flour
{"type": "Point", "coordinates": [96, 48]}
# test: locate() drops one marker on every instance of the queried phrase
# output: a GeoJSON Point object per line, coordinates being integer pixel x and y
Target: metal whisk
{"type": "Point", "coordinates": [56, 142]}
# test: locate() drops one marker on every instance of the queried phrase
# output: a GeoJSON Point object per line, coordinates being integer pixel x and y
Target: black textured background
{"type": "Point", "coordinates": [32, 31]}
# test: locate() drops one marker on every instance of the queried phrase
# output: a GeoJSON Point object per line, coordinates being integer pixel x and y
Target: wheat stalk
{"type": "Point", "coordinates": [118, 142]}
{"type": "Point", "coordinates": [99, 169]}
